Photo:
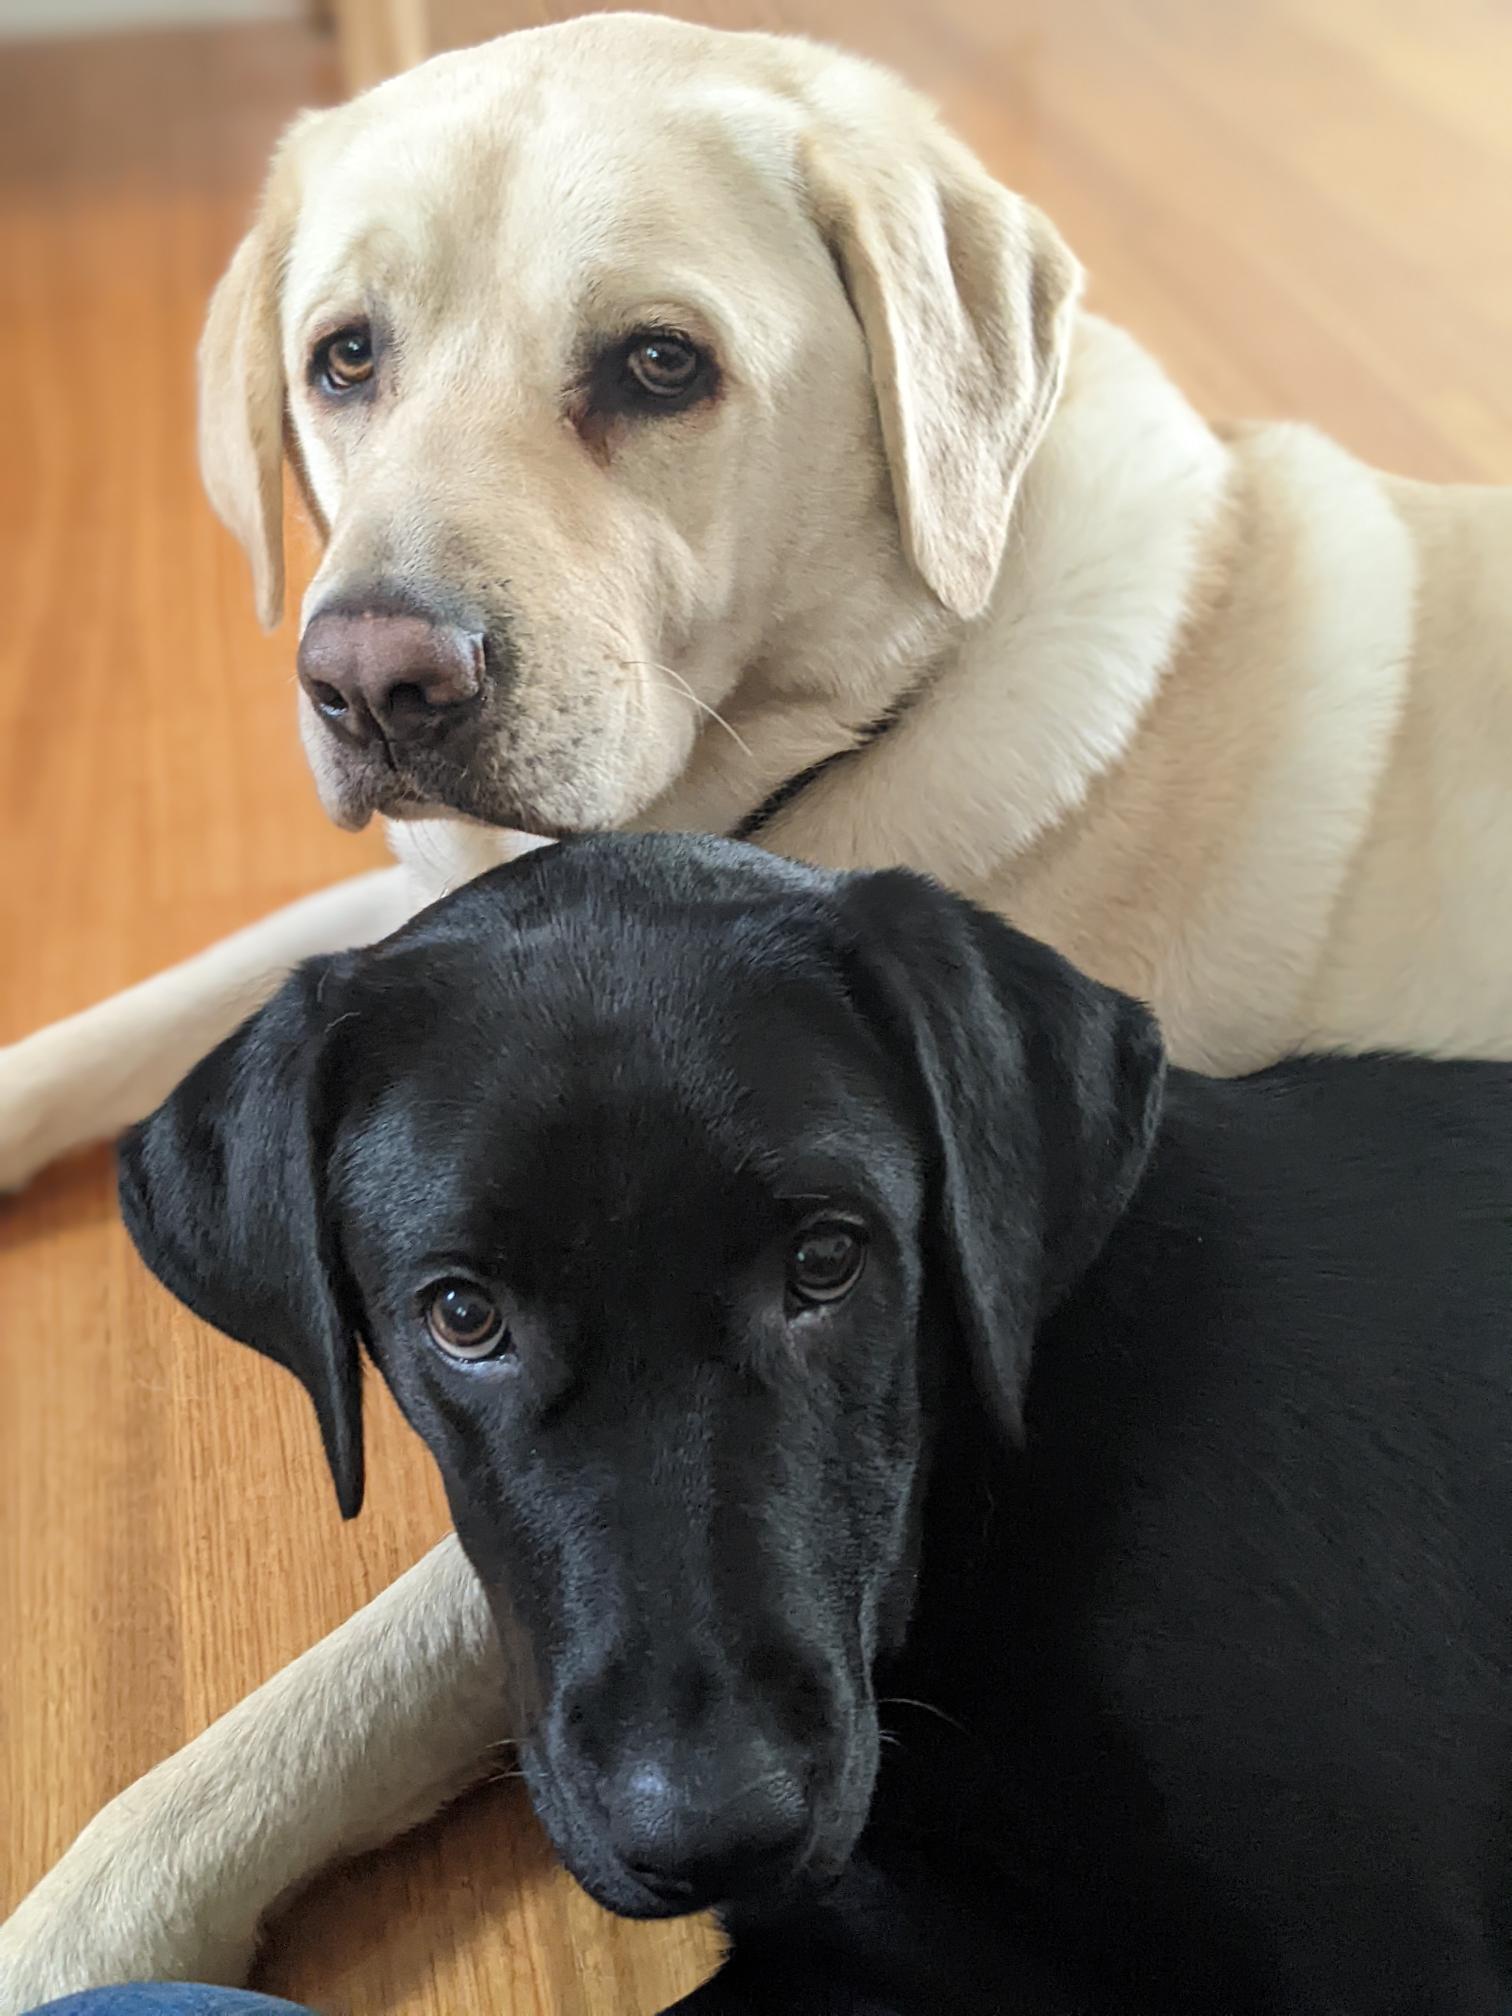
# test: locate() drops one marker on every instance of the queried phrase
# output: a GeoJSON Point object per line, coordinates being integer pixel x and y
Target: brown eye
{"type": "Point", "coordinates": [665, 366]}
{"type": "Point", "coordinates": [465, 1322]}
{"type": "Point", "coordinates": [825, 1261]}
{"type": "Point", "coordinates": [345, 360]}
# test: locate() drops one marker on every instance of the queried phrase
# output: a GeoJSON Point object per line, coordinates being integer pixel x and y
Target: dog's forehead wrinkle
{"type": "Point", "coordinates": [611, 1000]}
{"type": "Point", "coordinates": [738, 1037]}
{"type": "Point", "coordinates": [636, 195]}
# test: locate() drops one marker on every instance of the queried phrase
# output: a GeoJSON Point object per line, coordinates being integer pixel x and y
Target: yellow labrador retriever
{"type": "Point", "coordinates": [700, 437]}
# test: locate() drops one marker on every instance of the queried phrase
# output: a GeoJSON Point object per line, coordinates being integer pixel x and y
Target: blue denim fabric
{"type": "Point", "coordinates": [168, 1998]}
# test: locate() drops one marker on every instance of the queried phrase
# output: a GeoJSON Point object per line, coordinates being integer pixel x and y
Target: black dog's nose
{"type": "Point", "coordinates": [711, 1837]}
{"type": "Point", "coordinates": [400, 678]}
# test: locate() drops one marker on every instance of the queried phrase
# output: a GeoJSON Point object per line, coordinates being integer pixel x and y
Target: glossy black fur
{"type": "Point", "coordinates": [1105, 1611]}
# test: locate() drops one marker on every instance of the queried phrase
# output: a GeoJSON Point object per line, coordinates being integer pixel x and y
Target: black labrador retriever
{"type": "Point", "coordinates": [1014, 1529]}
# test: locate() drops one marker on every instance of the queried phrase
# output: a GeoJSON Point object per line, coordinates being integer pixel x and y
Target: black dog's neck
{"type": "Point", "coordinates": [988, 1502]}
{"type": "Point", "coordinates": [971, 1500]}
{"type": "Point", "coordinates": [968, 1890]}
{"type": "Point", "coordinates": [1011, 1539]}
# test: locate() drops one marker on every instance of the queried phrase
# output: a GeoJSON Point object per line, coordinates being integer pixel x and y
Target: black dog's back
{"type": "Point", "coordinates": [1240, 1737]}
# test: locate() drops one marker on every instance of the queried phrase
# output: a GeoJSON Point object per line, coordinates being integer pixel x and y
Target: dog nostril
{"type": "Point", "coordinates": [331, 703]}
{"type": "Point", "coordinates": [398, 679]}
{"type": "Point", "coordinates": [409, 699]}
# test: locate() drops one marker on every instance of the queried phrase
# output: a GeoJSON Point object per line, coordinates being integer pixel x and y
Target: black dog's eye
{"type": "Point", "coordinates": [465, 1323]}
{"type": "Point", "coordinates": [825, 1261]}
{"type": "Point", "coordinates": [667, 368]}
{"type": "Point", "coordinates": [344, 361]}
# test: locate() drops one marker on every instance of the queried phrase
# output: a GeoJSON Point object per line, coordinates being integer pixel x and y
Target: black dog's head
{"type": "Point", "coordinates": [648, 1170]}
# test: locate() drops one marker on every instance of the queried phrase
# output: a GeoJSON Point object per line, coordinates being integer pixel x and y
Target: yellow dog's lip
{"type": "Point", "coordinates": [413, 809]}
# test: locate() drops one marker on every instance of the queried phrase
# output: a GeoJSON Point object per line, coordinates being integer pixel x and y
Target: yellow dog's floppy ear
{"type": "Point", "coordinates": [242, 394]}
{"type": "Point", "coordinates": [965, 294]}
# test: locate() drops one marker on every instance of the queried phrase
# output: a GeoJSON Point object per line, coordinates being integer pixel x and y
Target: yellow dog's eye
{"type": "Point", "coordinates": [344, 361]}
{"type": "Point", "coordinates": [665, 366]}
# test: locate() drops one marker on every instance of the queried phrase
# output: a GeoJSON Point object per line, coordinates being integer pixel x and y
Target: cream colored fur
{"type": "Point", "coordinates": [1227, 716]}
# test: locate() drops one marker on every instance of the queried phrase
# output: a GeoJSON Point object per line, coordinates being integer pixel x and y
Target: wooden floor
{"type": "Point", "coordinates": [1306, 208]}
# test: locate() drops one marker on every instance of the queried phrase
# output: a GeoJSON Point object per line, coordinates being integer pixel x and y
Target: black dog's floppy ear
{"type": "Point", "coordinates": [1042, 1090]}
{"type": "Point", "coordinates": [222, 1192]}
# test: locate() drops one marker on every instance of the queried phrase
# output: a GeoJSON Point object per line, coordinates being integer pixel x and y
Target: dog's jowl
{"type": "Point", "coordinates": [1011, 1527]}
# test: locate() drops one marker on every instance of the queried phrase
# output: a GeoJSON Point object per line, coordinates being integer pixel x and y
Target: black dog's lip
{"type": "Point", "coordinates": [647, 1906]}
{"type": "Point", "coordinates": [635, 1901]}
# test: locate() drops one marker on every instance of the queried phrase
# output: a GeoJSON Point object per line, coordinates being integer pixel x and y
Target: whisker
{"type": "Point", "coordinates": [680, 685]}
{"type": "Point", "coordinates": [926, 1708]}
{"type": "Point", "coordinates": [501, 1761]}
